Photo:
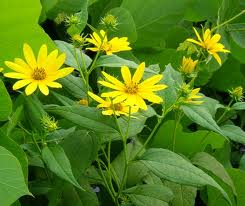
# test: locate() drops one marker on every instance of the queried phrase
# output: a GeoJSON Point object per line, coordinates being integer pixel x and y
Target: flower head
{"type": "Point", "coordinates": [132, 91]}
{"type": "Point", "coordinates": [189, 95]}
{"type": "Point", "coordinates": [72, 20]}
{"type": "Point", "coordinates": [101, 43]}
{"type": "Point", "coordinates": [109, 21]}
{"type": "Point", "coordinates": [109, 107]}
{"type": "Point", "coordinates": [188, 65]}
{"type": "Point", "coordinates": [237, 94]}
{"type": "Point", "coordinates": [210, 43]}
{"type": "Point", "coordinates": [41, 72]}
{"type": "Point", "coordinates": [78, 40]}
{"type": "Point", "coordinates": [49, 123]}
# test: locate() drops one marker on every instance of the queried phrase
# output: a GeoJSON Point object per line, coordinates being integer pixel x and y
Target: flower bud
{"type": "Point", "coordinates": [109, 21]}
{"type": "Point", "coordinates": [83, 102]}
{"type": "Point", "coordinates": [49, 123]}
{"type": "Point", "coordinates": [188, 66]}
{"type": "Point", "coordinates": [237, 94]}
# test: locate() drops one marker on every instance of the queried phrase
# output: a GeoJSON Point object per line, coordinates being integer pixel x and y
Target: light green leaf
{"type": "Point", "coordinates": [154, 18]}
{"type": "Point", "coordinates": [12, 182]}
{"type": "Point", "coordinates": [19, 29]}
{"type": "Point", "coordinates": [183, 195]}
{"type": "Point", "coordinates": [234, 133]}
{"type": "Point", "coordinates": [200, 115]}
{"type": "Point", "coordinates": [208, 162]}
{"type": "Point", "coordinates": [238, 106]}
{"type": "Point", "coordinates": [172, 167]}
{"type": "Point", "coordinates": [85, 117]}
{"type": "Point", "coordinates": [71, 57]}
{"type": "Point", "coordinates": [5, 102]}
{"type": "Point", "coordinates": [57, 161]}
{"type": "Point", "coordinates": [150, 195]}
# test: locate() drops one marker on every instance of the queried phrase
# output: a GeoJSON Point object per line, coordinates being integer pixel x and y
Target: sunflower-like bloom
{"type": "Point", "coordinates": [132, 92]}
{"type": "Point", "coordinates": [188, 65]}
{"type": "Point", "coordinates": [38, 73]}
{"type": "Point", "coordinates": [109, 107]}
{"type": "Point", "coordinates": [114, 45]}
{"type": "Point", "coordinates": [210, 43]}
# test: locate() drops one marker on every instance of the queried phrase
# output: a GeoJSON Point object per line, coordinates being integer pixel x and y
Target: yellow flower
{"type": "Point", "coordinates": [190, 95]}
{"type": "Point", "coordinates": [1, 69]}
{"type": "Point", "coordinates": [108, 106]}
{"type": "Point", "coordinates": [114, 45]}
{"type": "Point", "coordinates": [210, 43]}
{"type": "Point", "coordinates": [188, 65]}
{"type": "Point", "coordinates": [132, 92]}
{"type": "Point", "coordinates": [41, 72]}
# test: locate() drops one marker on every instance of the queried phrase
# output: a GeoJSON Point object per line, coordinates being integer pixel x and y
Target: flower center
{"type": "Point", "coordinates": [131, 88]}
{"type": "Point", "coordinates": [39, 74]}
{"type": "Point", "coordinates": [118, 107]}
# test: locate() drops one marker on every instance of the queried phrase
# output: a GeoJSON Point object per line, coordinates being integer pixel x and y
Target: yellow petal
{"type": "Point", "coordinates": [107, 112]}
{"type": "Point", "coordinates": [126, 74]}
{"type": "Point", "coordinates": [139, 73]}
{"type": "Point", "coordinates": [131, 100]}
{"type": "Point", "coordinates": [120, 98]}
{"type": "Point", "coordinates": [141, 103]}
{"type": "Point", "coordinates": [151, 97]}
{"type": "Point", "coordinates": [216, 56]}
{"type": "Point", "coordinates": [112, 86]}
{"type": "Point", "coordinates": [21, 83]}
{"type": "Point", "coordinates": [17, 67]}
{"type": "Point", "coordinates": [197, 34]}
{"type": "Point", "coordinates": [154, 88]}
{"type": "Point", "coordinates": [96, 98]}
{"type": "Point", "coordinates": [54, 84]}
{"type": "Point", "coordinates": [50, 63]}
{"type": "Point", "coordinates": [151, 81]}
{"type": "Point", "coordinates": [31, 88]}
{"type": "Point", "coordinates": [16, 75]}
{"type": "Point", "coordinates": [42, 56]}
{"type": "Point", "coordinates": [43, 88]}
{"type": "Point", "coordinates": [64, 72]}
{"type": "Point", "coordinates": [22, 63]}
{"type": "Point", "coordinates": [29, 56]}
{"type": "Point", "coordinates": [113, 79]}
{"type": "Point", "coordinates": [59, 61]}
{"type": "Point", "coordinates": [194, 41]}
{"type": "Point", "coordinates": [111, 94]}
{"type": "Point", "coordinates": [207, 35]}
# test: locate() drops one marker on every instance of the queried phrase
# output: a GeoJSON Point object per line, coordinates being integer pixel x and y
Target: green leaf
{"type": "Point", "coordinates": [200, 115]}
{"type": "Point", "coordinates": [15, 149]}
{"type": "Point", "coordinates": [172, 167]}
{"type": "Point", "coordinates": [57, 161]}
{"type": "Point", "coordinates": [71, 57]}
{"type": "Point", "coordinates": [54, 7]}
{"type": "Point", "coordinates": [5, 102]}
{"type": "Point", "coordinates": [208, 162]}
{"type": "Point", "coordinates": [183, 195]}
{"type": "Point", "coordinates": [24, 28]}
{"type": "Point", "coordinates": [12, 182]}
{"type": "Point", "coordinates": [234, 133]}
{"type": "Point", "coordinates": [74, 86]}
{"type": "Point", "coordinates": [238, 106]}
{"type": "Point", "coordinates": [81, 149]}
{"type": "Point", "coordinates": [187, 141]}
{"type": "Point", "coordinates": [237, 51]}
{"type": "Point", "coordinates": [126, 26]}
{"type": "Point", "coordinates": [85, 117]}
{"type": "Point", "coordinates": [155, 19]}
{"type": "Point", "coordinates": [237, 33]}
{"type": "Point", "coordinates": [173, 80]}
{"type": "Point", "coordinates": [151, 195]}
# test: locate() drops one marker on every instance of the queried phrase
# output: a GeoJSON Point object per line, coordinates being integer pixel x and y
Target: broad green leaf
{"type": "Point", "coordinates": [202, 10]}
{"type": "Point", "coordinates": [54, 7]}
{"type": "Point", "coordinates": [81, 149]}
{"type": "Point", "coordinates": [17, 151]}
{"type": "Point", "coordinates": [208, 162]}
{"type": "Point", "coordinates": [183, 195]}
{"type": "Point", "coordinates": [85, 117]}
{"type": "Point", "coordinates": [238, 106]}
{"type": "Point", "coordinates": [12, 182]}
{"type": "Point", "coordinates": [150, 195]}
{"type": "Point", "coordinates": [74, 86]}
{"type": "Point", "coordinates": [173, 80]}
{"type": "Point", "coordinates": [242, 163]}
{"type": "Point", "coordinates": [237, 51]}
{"type": "Point", "coordinates": [155, 19]}
{"type": "Point", "coordinates": [73, 58]}
{"type": "Point", "coordinates": [5, 102]}
{"type": "Point", "coordinates": [57, 161]}
{"type": "Point", "coordinates": [172, 167]}
{"type": "Point", "coordinates": [200, 115]}
{"type": "Point", "coordinates": [19, 29]}
{"type": "Point", "coordinates": [126, 26]}
{"type": "Point", "coordinates": [65, 101]}
{"type": "Point", "coordinates": [187, 142]}
{"type": "Point", "coordinates": [237, 33]}
{"type": "Point", "coordinates": [234, 133]}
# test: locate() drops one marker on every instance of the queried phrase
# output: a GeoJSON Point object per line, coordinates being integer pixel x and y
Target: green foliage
{"type": "Point", "coordinates": [6, 103]}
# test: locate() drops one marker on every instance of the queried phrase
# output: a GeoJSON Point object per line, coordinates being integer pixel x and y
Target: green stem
{"type": "Point", "coordinates": [228, 21]}
{"type": "Point", "coordinates": [176, 123]}
{"type": "Point", "coordinates": [78, 65]}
